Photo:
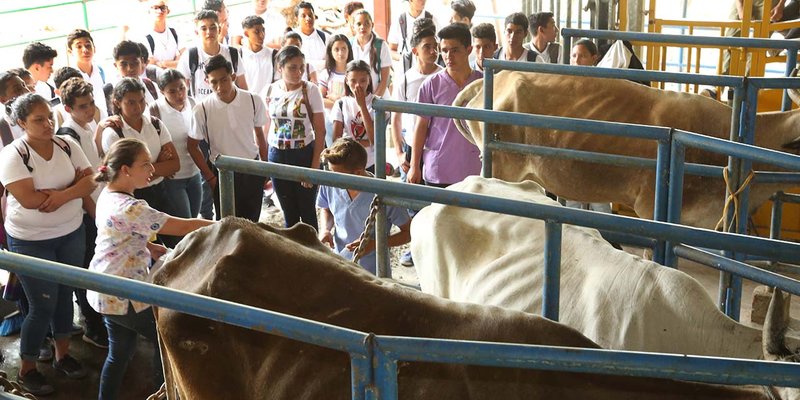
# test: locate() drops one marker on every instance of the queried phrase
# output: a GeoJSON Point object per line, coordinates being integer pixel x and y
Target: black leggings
{"type": "Point", "coordinates": [298, 203]}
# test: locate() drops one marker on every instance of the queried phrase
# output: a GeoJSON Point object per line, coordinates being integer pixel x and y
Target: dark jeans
{"type": "Point", "coordinates": [94, 321]}
{"type": "Point", "coordinates": [248, 191]}
{"type": "Point", "coordinates": [123, 331]}
{"type": "Point", "coordinates": [186, 195]}
{"type": "Point", "coordinates": [156, 197]}
{"type": "Point", "coordinates": [50, 302]}
{"type": "Point", "coordinates": [298, 203]}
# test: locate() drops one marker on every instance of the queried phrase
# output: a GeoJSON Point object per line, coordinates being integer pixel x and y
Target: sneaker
{"type": "Point", "coordinates": [96, 339]}
{"type": "Point", "coordinates": [76, 330]}
{"type": "Point", "coordinates": [406, 260]}
{"type": "Point", "coordinates": [70, 367]}
{"type": "Point", "coordinates": [35, 383]}
{"type": "Point", "coordinates": [45, 352]}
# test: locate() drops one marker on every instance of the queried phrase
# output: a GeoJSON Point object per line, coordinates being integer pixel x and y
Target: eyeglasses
{"type": "Point", "coordinates": [161, 8]}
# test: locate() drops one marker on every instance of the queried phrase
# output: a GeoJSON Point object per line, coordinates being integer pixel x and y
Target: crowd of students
{"type": "Point", "coordinates": [94, 167]}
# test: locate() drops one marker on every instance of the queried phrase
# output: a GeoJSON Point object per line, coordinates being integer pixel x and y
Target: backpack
{"type": "Point", "coordinates": [66, 131]}
{"type": "Point", "coordinates": [404, 29]}
{"type": "Point", "coordinates": [153, 120]}
{"type": "Point", "coordinates": [25, 153]}
{"type": "Point", "coordinates": [321, 35]}
{"type": "Point", "coordinates": [151, 41]}
{"type": "Point", "coordinates": [194, 63]}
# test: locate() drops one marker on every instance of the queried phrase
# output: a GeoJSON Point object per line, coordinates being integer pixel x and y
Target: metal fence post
{"type": "Point", "coordinates": [660, 208]}
{"type": "Point", "coordinates": [677, 157]}
{"type": "Point", "coordinates": [791, 63]}
{"type": "Point", "coordinates": [227, 204]}
{"type": "Point", "coordinates": [552, 270]}
{"type": "Point", "coordinates": [488, 104]}
{"type": "Point", "coordinates": [385, 374]}
{"type": "Point", "coordinates": [383, 268]}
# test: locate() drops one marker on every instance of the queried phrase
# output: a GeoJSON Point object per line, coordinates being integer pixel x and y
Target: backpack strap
{"type": "Point", "coordinates": [194, 62]}
{"type": "Point", "coordinates": [118, 131]}
{"type": "Point", "coordinates": [552, 50]}
{"type": "Point", "coordinates": [274, 59]}
{"type": "Point", "coordinates": [102, 73]}
{"type": "Point", "coordinates": [154, 111]}
{"type": "Point", "coordinates": [67, 131]}
{"type": "Point", "coordinates": [151, 42]}
{"type": "Point", "coordinates": [321, 35]}
{"type": "Point", "coordinates": [63, 145]}
{"type": "Point", "coordinates": [309, 110]}
{"type": "Point", "coordinates": [205, 119]}
{"type": "Point", "coordinates": [531, 56]}
{"type": "Point", "coordinates": [174, 35]}
{"type": "Point", "coordinates": [6, 136]}
{"type": "Point", "coordinates": [24, 154]}
{"type": "Point", "coordinates": [377, 43]}
{"type": "Point", "coordinates": [151, 87]}
{"type": "Point", "coordinates": [403, 27]}
{"type": "Point", "coordinates": [156, 124]}
{"type": "Point", "coordinates": [234, 52]}
{"type": "Point", "coordinates": [107, 90]}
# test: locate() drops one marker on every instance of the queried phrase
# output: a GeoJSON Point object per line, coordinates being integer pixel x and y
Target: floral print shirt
{"type": "Point", "coordinates": [124, 227]}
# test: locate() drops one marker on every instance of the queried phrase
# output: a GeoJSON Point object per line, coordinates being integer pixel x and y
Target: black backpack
{"type": "Point", "coordinates": [194, 63]}
{"type": "Point", "coordinates": [153, 120]}
{"type": "Point", "coordinates": [531, 54]}
{"type": "Point", "coordinates": [404, 29]}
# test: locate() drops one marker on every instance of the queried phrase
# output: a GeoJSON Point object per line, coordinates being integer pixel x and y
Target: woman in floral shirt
{"type": "Point", "coordinates": [125, 227]}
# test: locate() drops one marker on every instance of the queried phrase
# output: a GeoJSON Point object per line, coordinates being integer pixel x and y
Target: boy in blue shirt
{"type": "Point", "coordinates": [344, 210]}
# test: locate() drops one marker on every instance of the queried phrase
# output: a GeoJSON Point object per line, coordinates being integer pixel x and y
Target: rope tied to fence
{"type": "Point", "coordinates": [733, 197]}
{"type": "Point", "coordinates": [369, 228]}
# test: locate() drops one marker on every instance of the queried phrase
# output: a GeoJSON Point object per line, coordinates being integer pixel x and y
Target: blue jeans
{"type": "Point", "coordinates": [186, 195]}
{"type": "Point", "coordinates": [298, 203]}
{"type": "Point", "coordinates": [123, 331]}
{"type": "Point", "coordinates": [50, 302]}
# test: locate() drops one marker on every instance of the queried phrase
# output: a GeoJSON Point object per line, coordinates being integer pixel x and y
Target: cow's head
{"type": "Point", "coordinates": [471, 96]}
{"type": "Point", "coordinates": [774, 345]}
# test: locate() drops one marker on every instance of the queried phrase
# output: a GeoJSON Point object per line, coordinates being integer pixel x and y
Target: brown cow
{"type": "Point", "coordinates": [289, 271]}
{"type": "Point", "coordinates": [619, 101]}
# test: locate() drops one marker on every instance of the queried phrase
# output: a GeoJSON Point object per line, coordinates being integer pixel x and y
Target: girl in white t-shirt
{"type": "Point", "coordinates": [49, 181]}
{"type": "Point", "coordinates": [128, 97]}
{"type": "Point", "coordinates": [174, 109]}
{"type": "Point", "coordinates": [352, 115]}
{"type": "Point", "coordinates": [295, 134]}
{"type": "Point", "coordinates": [331, 79]}
{"type": "Point", "coordinates": [125, 227]}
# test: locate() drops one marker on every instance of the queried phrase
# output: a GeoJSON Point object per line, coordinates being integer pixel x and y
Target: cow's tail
{"type": "Point", "coordinates": [462, 99]}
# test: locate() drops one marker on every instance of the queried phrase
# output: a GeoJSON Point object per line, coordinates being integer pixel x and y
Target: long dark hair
{"type": "Point", "coordinates": [373, 56]}
{"type": "Point", "coordinates": [330, 63]}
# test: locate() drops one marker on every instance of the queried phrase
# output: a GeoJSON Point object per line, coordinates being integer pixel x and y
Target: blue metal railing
{"type": "Point", "coordinates": [378, 375]}
{"type": "Point", "coordinates": [388, 351]}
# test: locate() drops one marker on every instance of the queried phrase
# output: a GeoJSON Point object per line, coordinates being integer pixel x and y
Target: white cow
{"type": "Point", "coordinates": [618, 300]}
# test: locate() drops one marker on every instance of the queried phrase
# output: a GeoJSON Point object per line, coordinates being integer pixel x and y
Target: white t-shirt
{"type": "Point", "coordinates": [228, 127]}
{"type": "Point", "coordinates": [290, 122]}
{"type": "Point", "coordinates": [202, 88]}
{"type": "Point", "coordinates": [313, 48]}
{"type": "Point", "coordinates": [165, 45]}
{"type": "Point", "coordinates": [148, 135]}
{"type": "Point", "coordinates": [407, 89]}
{"type": "Point", "coordinates": [365, 54]}
{"type": "Point", "coordinates": [259, 69]}
{"type": "Point", "coordinates": [57, 173]}
{"type": "Point", "coordinates": [97, 79]}
{"type": "Point", "coordinates": [396, 36]}
{"type": "Point", "coordinates": [333, 82]}
{"type": "Point", "coordinates": [346, 111]}
{"type": "Point", "coordinates": [45, 90]}
{"type": "Point", "coordinates": [88, 146]}
{"type": "Point", "coordinates": [523, 57]}
{"type": "Point", "coordinates": [178, 123]}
